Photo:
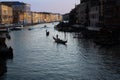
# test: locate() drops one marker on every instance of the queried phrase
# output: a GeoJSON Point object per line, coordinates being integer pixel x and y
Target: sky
{"type": "Point", "coordinates": [54, 6]}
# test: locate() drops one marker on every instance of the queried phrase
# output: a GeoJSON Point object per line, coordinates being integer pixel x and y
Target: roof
{"type": "Point", "coordinates": [13, 3]}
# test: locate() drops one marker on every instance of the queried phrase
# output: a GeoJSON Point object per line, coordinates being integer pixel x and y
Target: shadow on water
{"type": "Point", "coordinates": [5, 54]}
{"type": "Point", "coordinates": [3, 68]}
{"type": "Point", "coordinates": [111, 51]}
{"type": "Point", "coordinates": [111, 59]}
{"type": "Point", "coordinates": [106, 59]}
{"type": "Point", "coordinates": [59, 44]}
{"type": "Point", "coordinates": [3, 65]}
{"type": "Point", "coordinates": [40, 57]}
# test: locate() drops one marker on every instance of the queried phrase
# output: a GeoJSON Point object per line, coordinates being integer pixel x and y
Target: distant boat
{"type": "Point", "coordinates": [45, 26]}
{"type": "Point", "coordinates": [47, 33]}
{"type": "Point", "coordinates": [30, 28]}
{"type": "Point", "coordinates": [59, 40]}
{"type": "Point", "coordinates": [8, 36]}
{"type": "Point", "coordinates": [4, 29]}
{"type": "Point", "coordinates": [17, 27]}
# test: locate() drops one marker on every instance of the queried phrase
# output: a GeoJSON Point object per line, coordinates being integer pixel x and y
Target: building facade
{"type": "Point", "coordinates": [44, 17]}
{"type": "Point", "coordinates": [94, 16]}
{"type": "Point", "coordinates": [18, 9]}
{"type": "Point", "coordinates": [111, 11]}
{"type": "Point", "coordinates": [24, 18]}
{"type": "Point", "coordinates": [96, 13]}
{"type": "Point", "coordinates": [73, 16]}
{"type": "Point", "coordinates": [82, 20]}
{"type": "Point", "coordinates": [14, 12]}
{"type": "Point", "coordinates": [6, 14]}
{"type": "Point", "coordinates": [65, 17]}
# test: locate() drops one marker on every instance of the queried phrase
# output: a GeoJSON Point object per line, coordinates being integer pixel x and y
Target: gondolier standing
{"type": "Point", "coordinates": [57, 36]}
{"type": "Point", "coordinates": [59, 40]}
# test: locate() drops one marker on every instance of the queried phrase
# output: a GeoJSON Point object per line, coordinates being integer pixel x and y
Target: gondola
{"type": "Point", "coordinates": [30, 28]}
{"type": "Point", "coordinates": [47, 33]}
{"type": "Point", "coordinates": [59, 40]}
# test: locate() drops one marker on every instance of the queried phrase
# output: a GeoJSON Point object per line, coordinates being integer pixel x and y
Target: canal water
{"type": "Point", "coordinates": [38, 57]}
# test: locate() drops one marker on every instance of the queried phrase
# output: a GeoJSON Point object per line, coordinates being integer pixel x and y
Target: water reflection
{"type": "Point", "coordinates": [4, 57]}
{"type": "Point", "coordinates": [5, 52]}
{"type": "Point", "coordinates": [3, 67]}
{"type": "Point", "coordinates": [111, 58]}
{"type": "Point", "coordinates": [104, 62]}
{"type": "Point", "coordinates": [37, 57]}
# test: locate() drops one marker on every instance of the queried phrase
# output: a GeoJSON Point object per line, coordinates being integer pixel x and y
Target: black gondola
{"type": "Point", "coordinates": [57, 40]}
{"type": "Point", "coordinates": [47, 33]}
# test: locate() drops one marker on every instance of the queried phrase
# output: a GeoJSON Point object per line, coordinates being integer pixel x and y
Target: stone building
{"type": "Point", "coordinates": [82, 10]}
{"type": "Point", "coordinates": [94, 16]}
{"type": "Point", "coordinates": [6, 14]}
{"type": "Point", "coordinates": [41, 17]}
{"type": "Point", "coordinates": [25, 18]}
{"type": "Point", "coordinates": [111, 13]}
{"type": "Point", "coordinates": [73, 16]}
{"type": "Point", "coordinates": [18, 9]}
{"type": "Point", "coordinates": [56, 17]}
{"type": "Point", "coordinates": [104, 13]}
{"type": "Point", "coordinates": [98, 13]}
{"type": "Point", "coordinates": [16, 12]}
{"type": "Point", "coordinates": [35, 17]}
{"type": "Point", "coordinates": [66, 17]}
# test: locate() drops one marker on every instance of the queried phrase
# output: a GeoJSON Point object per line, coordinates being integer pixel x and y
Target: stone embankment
{"type": "Point", "coordinates": [67, 27]}
{"type": "Point", "coordinates": [101, 36]}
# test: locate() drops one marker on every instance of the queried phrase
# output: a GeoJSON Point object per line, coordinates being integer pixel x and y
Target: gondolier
{"type": "Point", "coordinates": [57, 40]}
{"type": "Point", "coordinates": [57, 37]}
